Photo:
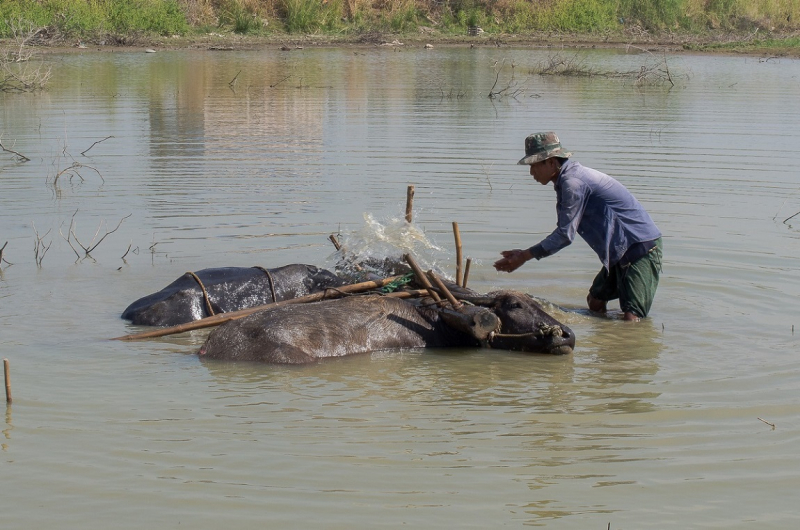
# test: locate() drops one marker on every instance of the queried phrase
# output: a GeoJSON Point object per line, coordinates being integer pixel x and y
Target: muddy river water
{"type": "Point", "coordinates": [214, 158]}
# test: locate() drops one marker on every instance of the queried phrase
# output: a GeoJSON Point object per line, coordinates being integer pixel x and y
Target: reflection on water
{"type": "Point", "coordinates": [254, 158]}
{"type": "Point", "coordinates": [7, 430]}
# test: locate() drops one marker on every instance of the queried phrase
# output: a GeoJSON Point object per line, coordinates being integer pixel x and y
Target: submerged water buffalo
{"type": "Point", "coordinates": [211, 291]}
{"type": "Point", "coordinates": [299, 334]}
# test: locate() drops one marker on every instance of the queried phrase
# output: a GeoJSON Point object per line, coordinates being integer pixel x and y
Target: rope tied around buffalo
{"type": "Point", "coordinates": [542, 330]}
{"type": "Point", "coordinates": [271, 281]}
{"type": "Point", "coordinates": [206, 299]}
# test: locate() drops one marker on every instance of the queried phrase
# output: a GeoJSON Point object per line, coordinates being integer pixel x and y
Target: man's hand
{"type": "Point", "coordinates": [512, 260]}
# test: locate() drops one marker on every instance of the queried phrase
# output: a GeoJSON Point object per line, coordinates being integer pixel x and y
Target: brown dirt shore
{"type": "Point", "coordinates": [712, 43]}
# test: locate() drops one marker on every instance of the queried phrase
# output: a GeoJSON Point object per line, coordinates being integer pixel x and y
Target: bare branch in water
{"type": "Point", "coordinates": [68, 237]}
{"type": "Point", "coordinates": [512, 88]}
{"type": "Point", "coordinates": [94, 144]}
{"type": "Point", "coordinates": [130, 245]}
{"type": "Point", "coordinates": [2, 259]}
{"type": "Point", "coordinates": [561, 65]}
{"type": "Point", "coordinates": [768, 423]}
{"type": "Point", "coordinates": [233, 81]}
{"type": "Point", "coordinates": [40, 249]}
{"type": "Point", "coordinates": [281, 81]}
{"type": "Point", "coordinates": [452, 93]}
{"type": "Point", "coordinates": [87, 249]}
{"type": "Point", "coordinates": [486, 172]}
{"type": "Point", "coordinates": [73, 171]}
{"type": "Point", "coordinates": [22, 157]}
{"type": "Point", "coordinates": [654, 72]}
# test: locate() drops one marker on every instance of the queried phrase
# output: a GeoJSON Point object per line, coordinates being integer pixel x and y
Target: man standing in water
{"type": "Point", "coordinates": [605, 214]}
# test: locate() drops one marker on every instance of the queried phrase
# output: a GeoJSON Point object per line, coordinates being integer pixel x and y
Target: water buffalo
{"type": "Point", "coordinates": [299, 334]}
{"type": "Point", "coordinates": [226, 289]}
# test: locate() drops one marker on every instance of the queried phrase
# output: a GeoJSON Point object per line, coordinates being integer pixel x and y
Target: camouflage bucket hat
{"type": "Point", "coordinates": [541, 146]}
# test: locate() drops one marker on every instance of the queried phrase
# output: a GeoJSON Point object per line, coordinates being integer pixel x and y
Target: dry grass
{"type": "Point", "coordinates": [19, 69]}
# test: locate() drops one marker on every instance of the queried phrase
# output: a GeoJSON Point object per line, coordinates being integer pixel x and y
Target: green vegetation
{"type": "Point", "coordinates": [77, 18]}
{"type": "Point", "coordinates": [87, 19]}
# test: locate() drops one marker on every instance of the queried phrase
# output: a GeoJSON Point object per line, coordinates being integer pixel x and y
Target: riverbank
{"type": "Point", "coordinates": [757, 27]}
{"type": "Point", "coordinates": [756, 43]}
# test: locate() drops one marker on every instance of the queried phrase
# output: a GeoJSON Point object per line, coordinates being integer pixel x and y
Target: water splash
{"type": "Point", "coordinates": [378, 247]}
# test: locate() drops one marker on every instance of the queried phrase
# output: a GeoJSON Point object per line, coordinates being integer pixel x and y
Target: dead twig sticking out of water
{"type": "Point", "coordinates": [513, 88]}
{"type": "Point", "coordinates": [2, 259]}
{"type": "Point", "coordinates": [653, 73]}
{"type": "Point", "coordinates": [282, 80]}
{"type": "Point", "coordinates": [791, 217]}
{"type": "Point", "coordinates": [232, 82]}
{"type": "Point", "coordinates": [130, 245]}
{"type": "Point", "coordinates": [486, 172]}
{"type": "Point", "coordinates": [40, 249]}
{"type": "Point", "coordinates": [87, 249]}
{"type": "Point", "coordinates": [152, 249]}
{"type": "Point", "coordinates": [565, 66]}
{"type": "Point", "coordinates": [768, 423]}
{"type": "Point", "coordinates": [94, 144]}
{"type": "Point", "coordinates": [72, 171]}
{"type": "Point", "coordinates": [453, 94]}
{"type": "Point", "coordinates": [22, 158]}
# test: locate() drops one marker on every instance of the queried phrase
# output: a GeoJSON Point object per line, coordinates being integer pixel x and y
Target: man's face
{"type": "Point", "coordinates": [544, 172]}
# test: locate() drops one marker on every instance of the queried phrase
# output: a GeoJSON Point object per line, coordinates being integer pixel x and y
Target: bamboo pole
{"type": "Point", "coordinates": [409, 203]}
{"type": "Point", "coordinates": [466, 272]}
{"type": "Point", "coordinates": [459, 257]}
{"type": "Point", "coordinates": [421, 278]}
{"type": "Point", "coordinates": [7, 373]}
{"type": "Point", "coordinates": [340, 248]}
{"type": "Point", "coordinates": [442, 287]}
{"type": "Point", "coordinates": [234, 315]}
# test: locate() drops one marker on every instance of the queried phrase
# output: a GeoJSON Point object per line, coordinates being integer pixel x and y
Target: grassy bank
{"type": "Point", "coordinates": [122, 21]}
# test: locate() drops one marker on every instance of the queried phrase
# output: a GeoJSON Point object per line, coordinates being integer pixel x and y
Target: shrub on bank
{"type": "Point", "coordinates": [83, 18]}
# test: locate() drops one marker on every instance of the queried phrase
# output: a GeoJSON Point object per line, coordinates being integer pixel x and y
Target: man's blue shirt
{"type": "Point", "coordinates": [601, 210]}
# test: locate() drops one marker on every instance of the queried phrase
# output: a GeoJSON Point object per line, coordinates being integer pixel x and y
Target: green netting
{"type": "Point", "coordinates": [395, 285]}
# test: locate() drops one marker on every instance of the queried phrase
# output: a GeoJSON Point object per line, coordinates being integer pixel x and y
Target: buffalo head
{"type": "Point", "coordinates": [525, 325]}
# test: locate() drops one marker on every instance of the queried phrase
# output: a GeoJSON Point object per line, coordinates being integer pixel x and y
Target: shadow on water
{"type": "Point", "coordinates": [8, 428]}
